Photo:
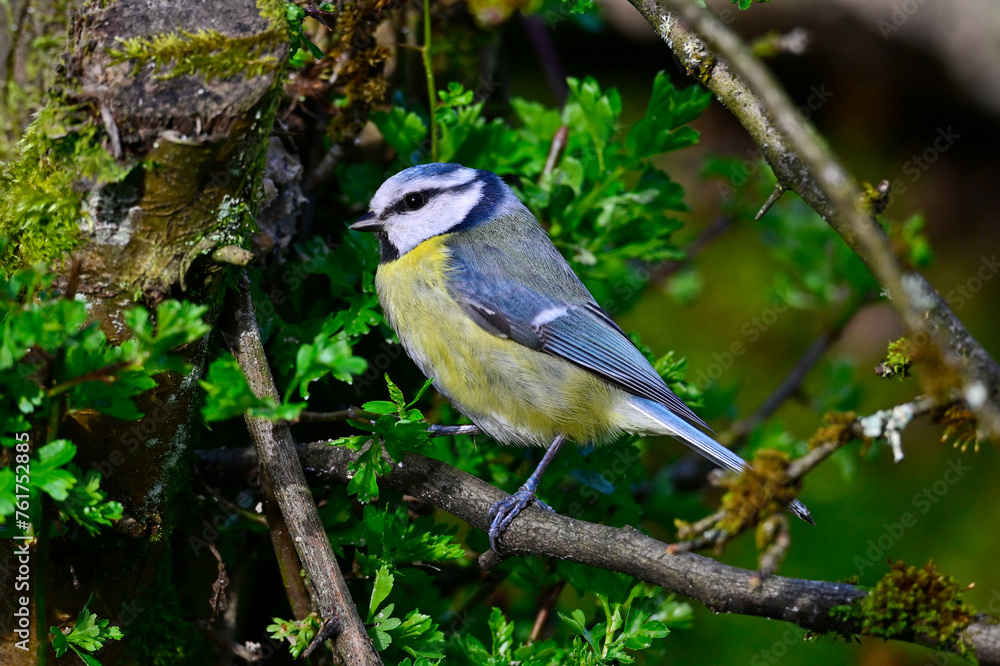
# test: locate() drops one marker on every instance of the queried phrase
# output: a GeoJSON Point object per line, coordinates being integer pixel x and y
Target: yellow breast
{"type": "Point", "coordinates": [514, 393]}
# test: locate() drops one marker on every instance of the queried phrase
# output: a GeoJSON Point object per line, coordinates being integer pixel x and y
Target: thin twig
{"type": "Point", "coordinates": [721, 587]}
{"type": "Point", "coordinates": [559, 140]}
{"type": "Point", "coordinates": [350, 414]}
{"type": "Point", "coordinates": [772, 198]}
{"type": "Point", "coordinates": [431, 87]}
{"type": "Point", "coordinates": [546, 603]}
{"type": "Point", "coordinates": [282, 477]}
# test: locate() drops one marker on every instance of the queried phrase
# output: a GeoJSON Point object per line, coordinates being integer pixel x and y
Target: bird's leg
{"type": "Point", "coordinates": [444, 430]}
{"type": "Point", "coordinates": [502, 513]}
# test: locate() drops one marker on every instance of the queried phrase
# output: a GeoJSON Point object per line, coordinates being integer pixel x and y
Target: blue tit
{"type": "Point", "coordinates": [486, 306]}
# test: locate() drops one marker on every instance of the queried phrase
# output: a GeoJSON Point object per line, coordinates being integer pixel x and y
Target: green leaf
{"type": "Point", "coordinates": [420, 393]}
{"type": "Point", "coordinates": [298, 633]}
{"type": "Point", "coordinates": [228, 395]}
{"type": "Point", "coordinates": [327, 355]}
{"type": "Point", "coordinates": [593, 112]}
{"type": "Point", "coordinates": [379, 407]}
{"type": "Point", "coordinates": [455, 95]}
{"type": "Point", "coordinates": [502, 632]}
{"type": "Point", "coordinates": [89, 634]}
{"type": "Point", "coordinates": [418, 636]}
{"type": "Point", "coordinates": [383, 586]}
{"type": "Point", "coordinates": [396, 395]}
{"type": "Point", "coordinates": [86, 505]}
{"type": "Point", "coordinates": [664, 127]}
{"type": "Point", "coordinates": [47, 473]}
{"type": "Point", "coordinates": [365, 472]}
{"type": "Point", "coordinates": [404, 130]}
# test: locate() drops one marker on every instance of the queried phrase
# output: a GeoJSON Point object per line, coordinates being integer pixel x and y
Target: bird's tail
{"type": "Point", "coordinates": [703, 444]}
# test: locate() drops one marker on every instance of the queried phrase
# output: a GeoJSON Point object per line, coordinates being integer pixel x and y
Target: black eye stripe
{"type": "Point", "coordinates": [403, 206]}
{"type": "Point", "coordinates": [400, 207]}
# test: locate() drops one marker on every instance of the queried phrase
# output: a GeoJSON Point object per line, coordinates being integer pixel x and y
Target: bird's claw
{"type": "Point", "coordinates": [503, 513]}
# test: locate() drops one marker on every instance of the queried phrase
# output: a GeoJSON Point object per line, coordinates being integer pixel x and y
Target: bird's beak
{"type": "Point", "coordinates": [367, 222]}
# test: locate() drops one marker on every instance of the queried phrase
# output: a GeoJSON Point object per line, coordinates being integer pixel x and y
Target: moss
{"type": "Point", "coordinates": [959, 426]}
{"type": "Point", "coordinates": [898, 360]}
{"type": "Point", "coordinates": [61, 158]}
{"type": "Point", "coordinates": [839, 429]}
{"type": "Point", "coordinates": [205, 52]}
{"type": "Point", "coordinates": [210, 53]}
{"type": "Point", "coordinates": [759, 493]}
{"type": "Point", "coordinates": [911, 602]}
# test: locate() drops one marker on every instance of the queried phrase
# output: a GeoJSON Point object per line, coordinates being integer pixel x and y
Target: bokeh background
{"type": "Point", "coordinates": [895, 74]}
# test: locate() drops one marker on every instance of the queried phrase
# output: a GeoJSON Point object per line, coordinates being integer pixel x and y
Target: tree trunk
{"type": "Point", "coordinates": [167, 108]}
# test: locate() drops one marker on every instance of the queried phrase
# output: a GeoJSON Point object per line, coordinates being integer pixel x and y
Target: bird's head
{"type": "Point", "coordinates": [428, 200]}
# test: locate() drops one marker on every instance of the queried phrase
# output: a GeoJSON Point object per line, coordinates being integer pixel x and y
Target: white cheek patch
{"type": "Point", "coordinates": [445, 210]}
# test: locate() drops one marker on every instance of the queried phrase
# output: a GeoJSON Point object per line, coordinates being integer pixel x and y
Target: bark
{"type": "Point", "coordinates": [182, 137]}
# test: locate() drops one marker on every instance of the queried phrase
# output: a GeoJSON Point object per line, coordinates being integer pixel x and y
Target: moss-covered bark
{"type": "Point", "coordinates": [146, 159]}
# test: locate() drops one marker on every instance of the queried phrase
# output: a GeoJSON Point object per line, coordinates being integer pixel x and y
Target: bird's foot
{"type": "Point", "coordinates": [503, 513]}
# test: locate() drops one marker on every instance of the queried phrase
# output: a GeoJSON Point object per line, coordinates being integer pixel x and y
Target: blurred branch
{"type": "Point", "coordinates": [718, 58]}
{"type": "Point", "coordinates": [721, 587]}
{"type": "Point", "coordinates": [718, 227]}
{"type": "Point", "coordinates": [691, 470]}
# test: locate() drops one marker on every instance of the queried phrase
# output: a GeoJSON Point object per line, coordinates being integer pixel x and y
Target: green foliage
{"type": "Point", "coordinates": [634, 616]}
{"type": "Point", "coordinates": [42, 334]}
{"type": "Point", "coordinates": [298, 633]}
{"type": "Point", "coordinates": [295, 15]}
{"type": "Point", "coordinates": [309, 341]}
{"type": "Point", "coordinates": [227, 395]}
{"type": "Point", "coordinates": [398, 427]}
{"type": "Point", "coordinates": [88, 635]}
{"type": "Point", "coordinates": [745, 4]}
{"type": "Point", "coordinates": [392, 540]}
{"type": "Point", "coordinates": [415, 634]}
{"type": "Point", "coordinates": [85, 503]}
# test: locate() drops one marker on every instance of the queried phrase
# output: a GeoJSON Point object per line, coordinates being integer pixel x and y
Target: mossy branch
{"type": "Point", "coordinates": [808, 603]}
{"type": "Point", "coordinates": [206, 52]}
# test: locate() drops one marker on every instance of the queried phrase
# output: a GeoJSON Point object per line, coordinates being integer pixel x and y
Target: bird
{"type": "Point", "coordinates": [487, 307]}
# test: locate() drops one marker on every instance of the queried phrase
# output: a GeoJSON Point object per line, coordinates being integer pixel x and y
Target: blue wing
{"type": "Point", "coordinates": [544, 306]}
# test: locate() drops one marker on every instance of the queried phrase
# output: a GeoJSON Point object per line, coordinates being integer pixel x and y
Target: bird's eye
{"type": "Point", "coordinates": [414, 201]}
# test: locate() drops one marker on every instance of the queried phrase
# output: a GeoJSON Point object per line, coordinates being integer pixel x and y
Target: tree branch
{"type": "Point", "coordinates": [282, 474]}
{"type": "Point", "coordinates": [721, 587]}
{"type": "Point", "coordinates": [803, 163]}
